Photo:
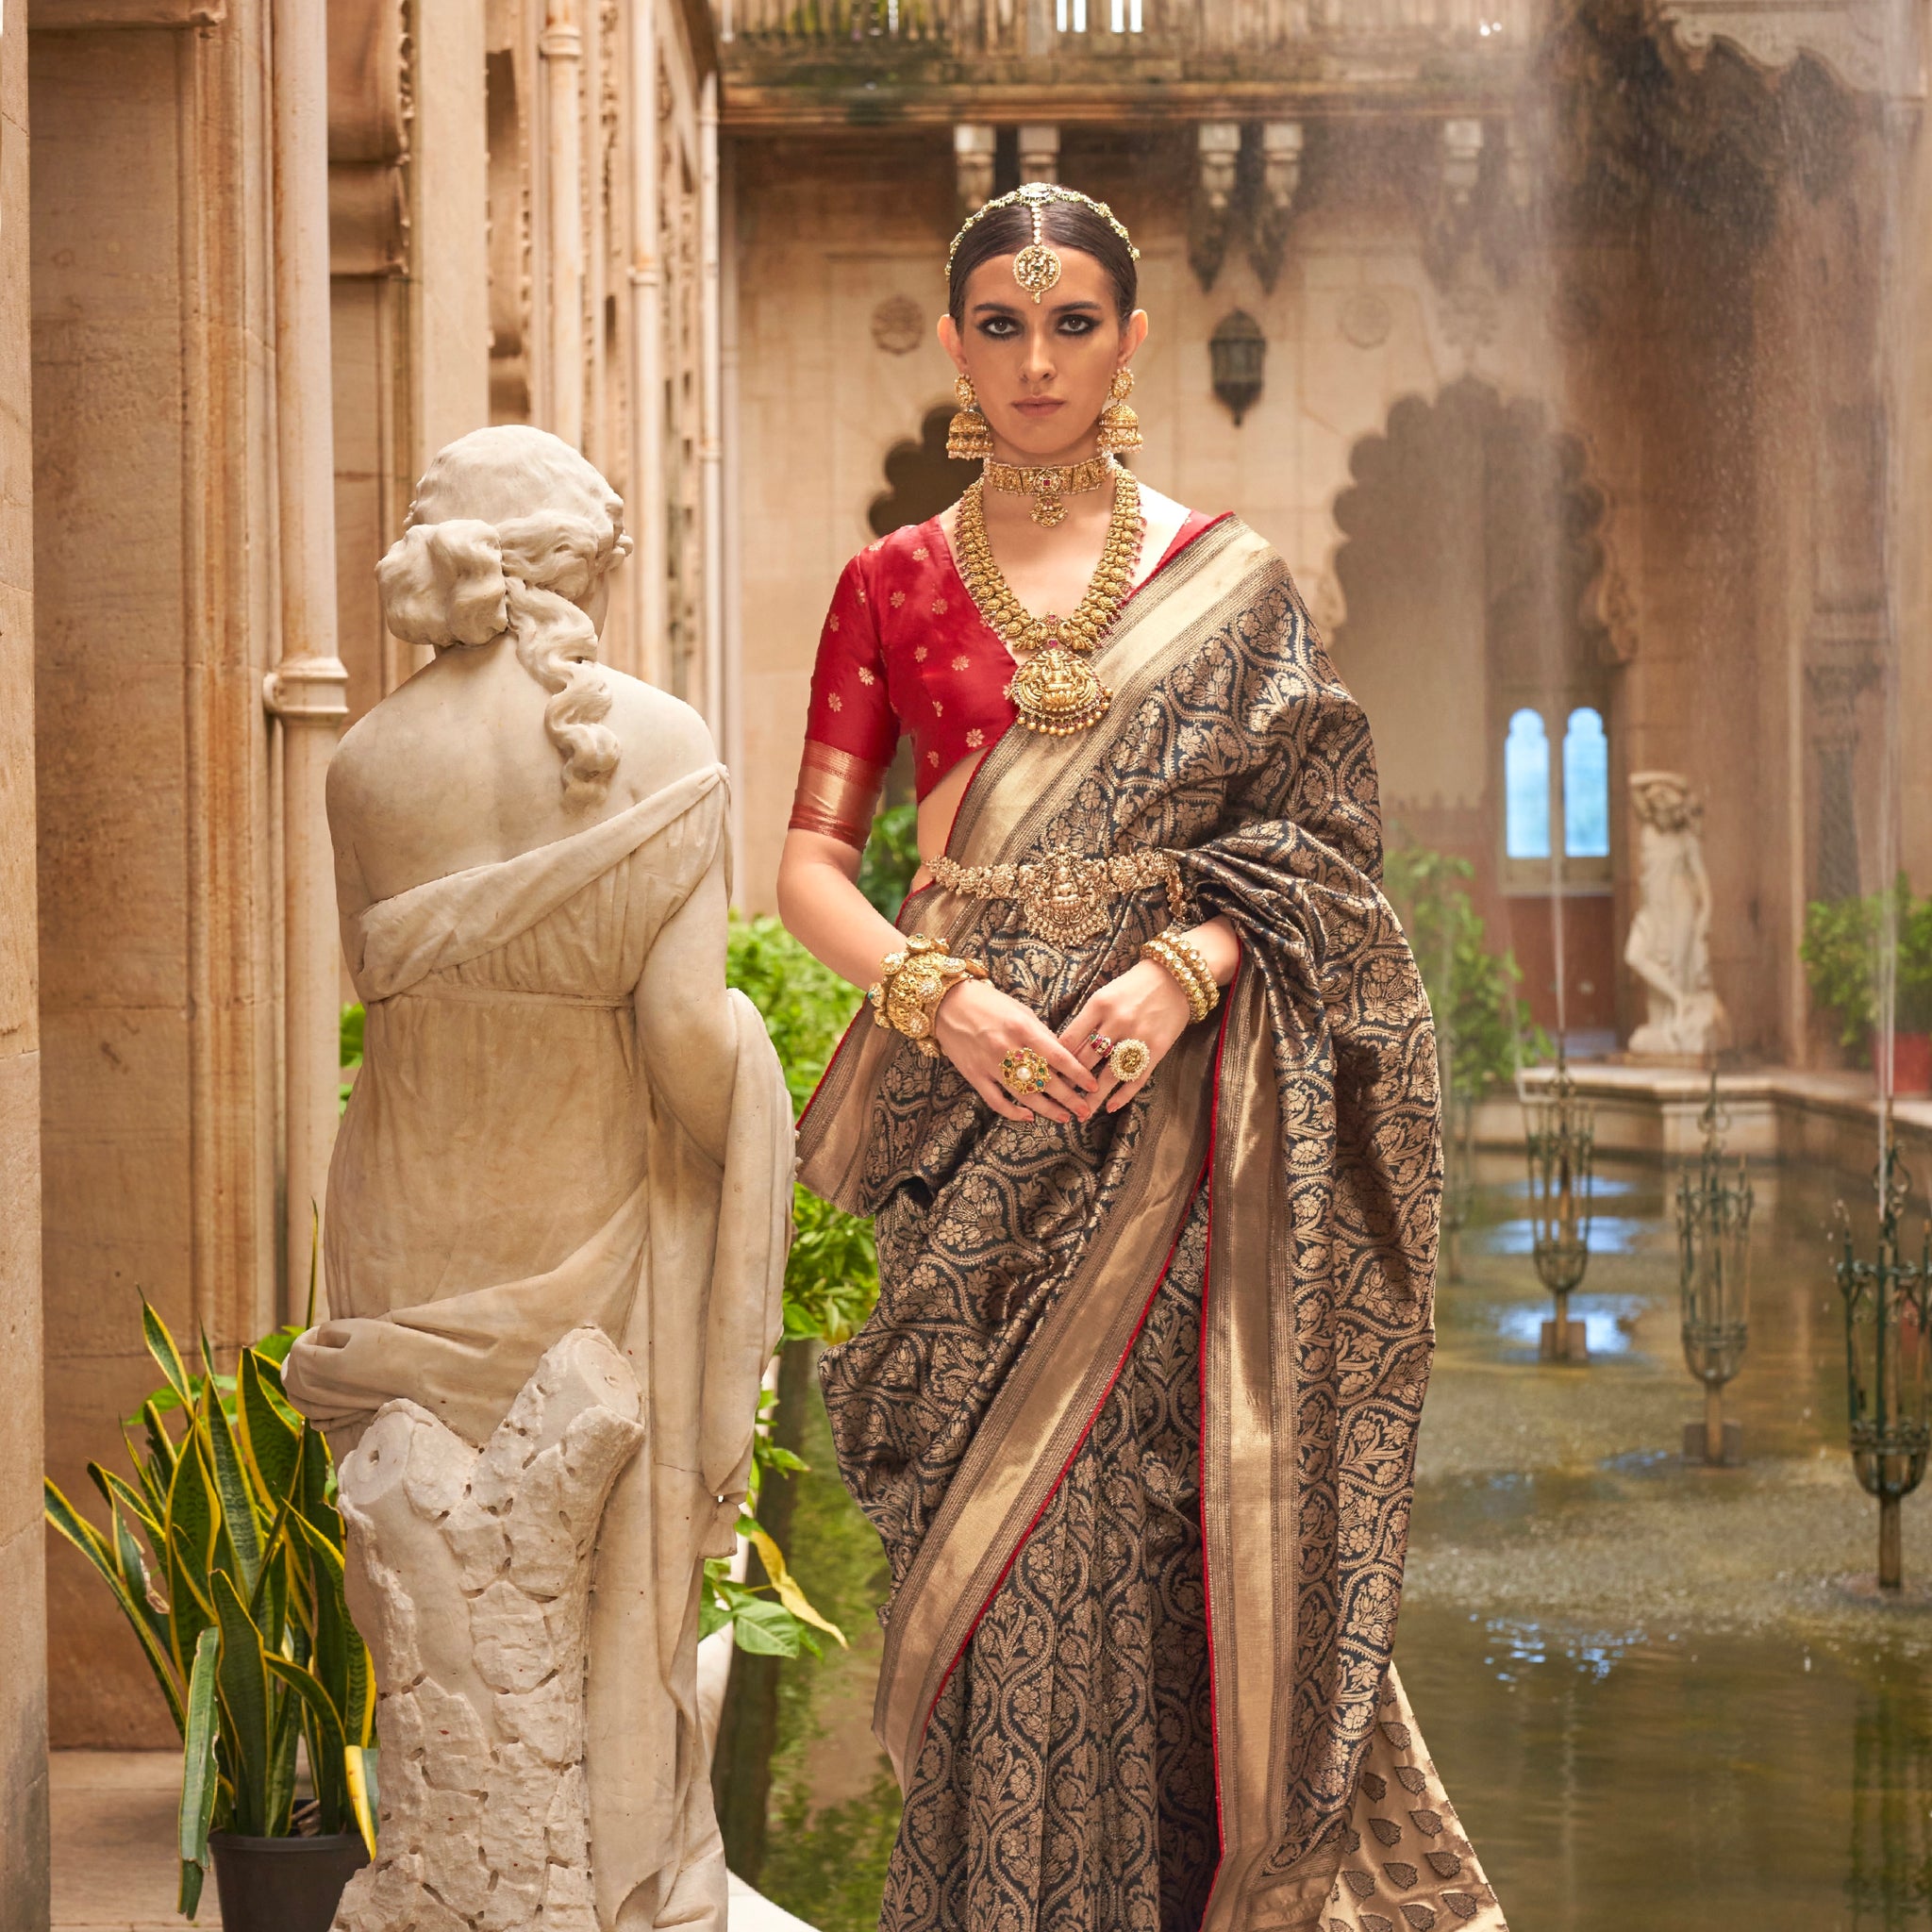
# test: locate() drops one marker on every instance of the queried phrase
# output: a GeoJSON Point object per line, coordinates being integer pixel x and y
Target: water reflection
{"type": "Point", "coordinates": [1657, 1700]}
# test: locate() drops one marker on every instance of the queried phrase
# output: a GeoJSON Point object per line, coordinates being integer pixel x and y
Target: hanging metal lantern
{"type": "Point", "coordinates": [1888, 1360]}
{"type": "Point", "coordinates": [1236, 350]}
{"type": "Point", "coordinates": [1714, 1204]}
{"type": "Point", "coordinates": [1560, 1135]}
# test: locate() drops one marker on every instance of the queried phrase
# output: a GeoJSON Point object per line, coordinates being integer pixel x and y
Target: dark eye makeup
{"type": "Point", "coordinates": [1000, 325]}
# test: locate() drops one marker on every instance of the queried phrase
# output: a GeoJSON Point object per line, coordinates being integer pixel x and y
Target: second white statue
{"type": "Point", "coordinates": [541, 1364]}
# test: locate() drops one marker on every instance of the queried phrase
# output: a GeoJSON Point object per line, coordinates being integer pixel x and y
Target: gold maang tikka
{"type": "Point", "coordinates": [1037, 267]}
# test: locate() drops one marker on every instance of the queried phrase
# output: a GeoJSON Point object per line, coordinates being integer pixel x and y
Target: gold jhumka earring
{"type": "Point", "coordinates": [969, 435]}
{"type": "Point", "coordinates": [1120, 428]}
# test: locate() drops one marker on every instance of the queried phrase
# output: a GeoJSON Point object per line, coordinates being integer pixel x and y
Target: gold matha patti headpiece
{"type": "Point", "coordinates": [1037, 267]}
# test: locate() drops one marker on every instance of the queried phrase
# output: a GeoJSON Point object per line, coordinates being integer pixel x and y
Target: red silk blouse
{"type": "Point", "coordinates": [905, 649]}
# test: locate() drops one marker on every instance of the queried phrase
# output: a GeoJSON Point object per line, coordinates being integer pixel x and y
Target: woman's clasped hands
{"type": "Point", "coordinates": [977, 1026]}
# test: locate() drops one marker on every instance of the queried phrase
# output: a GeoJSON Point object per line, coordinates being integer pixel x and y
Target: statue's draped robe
{"type": "Point", "coordinates": [503, 1174]}
{"type": "Point", "coordinates": [1136, 1414]}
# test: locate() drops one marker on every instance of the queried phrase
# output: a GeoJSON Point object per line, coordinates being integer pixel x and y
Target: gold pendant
{"type": "Point", "coordinates": [1048, 509]}
{"type": "Point", "coordinates": [1058, 693]}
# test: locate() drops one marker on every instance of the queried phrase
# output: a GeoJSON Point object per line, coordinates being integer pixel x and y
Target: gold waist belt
{"type": "Point", "coordinates": [1065, 896]}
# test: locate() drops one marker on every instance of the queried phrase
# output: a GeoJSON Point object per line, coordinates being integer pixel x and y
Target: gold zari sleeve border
{"type": "Point", "coordinates": [837, 795]}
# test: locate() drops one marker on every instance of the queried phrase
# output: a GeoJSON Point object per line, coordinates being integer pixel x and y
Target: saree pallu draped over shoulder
{"type": "Point", "coordinates": [1136, 1416]}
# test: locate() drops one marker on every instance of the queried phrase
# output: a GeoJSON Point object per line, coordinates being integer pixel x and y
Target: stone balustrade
{"type": "Point", "coordinates": [790, 60]}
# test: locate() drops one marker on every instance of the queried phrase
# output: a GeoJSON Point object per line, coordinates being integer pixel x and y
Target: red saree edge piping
{"type": "Point", "coordinates": [1200, 1435]}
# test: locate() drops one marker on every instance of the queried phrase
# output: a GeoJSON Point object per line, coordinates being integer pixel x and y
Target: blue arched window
{"type": "Point", "coordinates": [1586, 786]}
{"type": "Point", "coordinates": [1527, 787]}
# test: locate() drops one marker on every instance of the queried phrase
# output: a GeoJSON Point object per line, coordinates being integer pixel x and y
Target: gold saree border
{"type": "Point", "coordinates": [1249, 1486]}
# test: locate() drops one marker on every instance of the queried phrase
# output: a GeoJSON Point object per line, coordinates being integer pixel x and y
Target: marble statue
{"type": "Point", "coordinates": [557, 1215]}
{"type": "Point", "coordinates": [1669, 947]}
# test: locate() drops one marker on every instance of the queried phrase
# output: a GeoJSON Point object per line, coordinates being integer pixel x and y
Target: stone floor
{"type": "Point", "coordinates": [114, 1871]}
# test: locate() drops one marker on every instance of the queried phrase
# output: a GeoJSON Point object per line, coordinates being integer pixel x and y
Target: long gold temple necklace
{"type": "Point", "coordinates": [1055, 690]}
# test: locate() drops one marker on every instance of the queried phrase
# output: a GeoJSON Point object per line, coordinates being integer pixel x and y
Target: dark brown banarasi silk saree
{"type": "Point", "coordinates": [1135, 1415]}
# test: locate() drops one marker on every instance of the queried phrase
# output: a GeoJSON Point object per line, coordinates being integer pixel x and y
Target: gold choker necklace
{"type": "Point", "coordinates": [1049, 487]}
{"type": "Point", "coordinates": [1056, 690]}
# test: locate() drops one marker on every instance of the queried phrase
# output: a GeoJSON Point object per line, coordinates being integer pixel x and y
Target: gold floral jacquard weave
{"type": "Point", "coordinates": [1134, 1417]}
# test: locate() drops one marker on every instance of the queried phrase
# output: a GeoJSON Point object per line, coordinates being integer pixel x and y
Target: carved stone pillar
{"type": "Point", "coordinates": [1282, 143]}
{"type": "Point", "coordinates": [561, 48]}
{"type": "Point", "coordinates": [1452, 224]}
{"type": "Point", "coordinates": [307, 692]}
{"type": "Point", "coordinates": [1039, 151]}
{"type": "Point", "coordinates": [973, 144]}
{"type": "Point", "coordinates": [1218, 146]}
{"type": "Point", "coordinates": [1835, 689]}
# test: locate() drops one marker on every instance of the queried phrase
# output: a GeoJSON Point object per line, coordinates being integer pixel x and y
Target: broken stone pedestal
{"type": "Point", "coordinates": [469, 1576]}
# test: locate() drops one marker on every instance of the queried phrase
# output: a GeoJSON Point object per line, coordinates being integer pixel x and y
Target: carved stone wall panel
{"type": "Point", "coordinates": [1871, 46]}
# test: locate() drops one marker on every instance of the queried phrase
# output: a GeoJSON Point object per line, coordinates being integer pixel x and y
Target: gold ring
{"type": "Point", "coordinates": [1129, 1059]}
{"type": "Point", "coordinates": [1102, 1042]}
{"type": "Point", "coordinates": [1025, 1071]}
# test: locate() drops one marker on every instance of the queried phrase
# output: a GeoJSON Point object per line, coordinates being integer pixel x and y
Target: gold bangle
{"type": "Point", "coordinates": [906, 996]}
{"type": "Point", "coordinates": [1185, 962]}
{"type": "Point", "coordinates": [1180, 972]}
{"type": "Point", "coordinates": [1188, 949]}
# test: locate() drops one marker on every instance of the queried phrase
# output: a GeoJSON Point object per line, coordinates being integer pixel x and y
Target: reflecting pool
{"type": "Point", "coordinates": [1661, 1696]}
{"type": "Point", "coordinates": [1665, 1697]}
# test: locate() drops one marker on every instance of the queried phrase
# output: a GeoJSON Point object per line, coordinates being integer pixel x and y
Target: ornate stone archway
{"type": "Point", "coordinates": [1473, 578]}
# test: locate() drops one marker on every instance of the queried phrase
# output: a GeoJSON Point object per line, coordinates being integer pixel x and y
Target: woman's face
{"type": "Point", "coordinates": [1041, 369]}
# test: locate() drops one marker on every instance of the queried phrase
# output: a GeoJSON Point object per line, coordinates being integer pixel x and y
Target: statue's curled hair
{"type": "Point", "coordinates": [509, 530]}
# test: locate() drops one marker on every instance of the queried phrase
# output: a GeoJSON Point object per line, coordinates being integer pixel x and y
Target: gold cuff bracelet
{"type": "Point", "coordinates": [911, 986]}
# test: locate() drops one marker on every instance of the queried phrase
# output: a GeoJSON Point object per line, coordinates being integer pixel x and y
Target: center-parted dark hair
{"type": "Point", "coordinates": [1068, 225]}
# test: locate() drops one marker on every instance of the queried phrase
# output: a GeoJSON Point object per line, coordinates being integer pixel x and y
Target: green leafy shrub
{"type": "Point", "coordinates": [831, 1273]}
{"type": "Point", "coordinates": [1482, 1020]}
{"type": "Point", "coordinates": [349, 1053]}
{"type": "Point", "coordinates": [1841, 951]}
{"type": "Point", "coordinates": [891, 858]}
{"type": "Point", "coordinates": [237, 1600]}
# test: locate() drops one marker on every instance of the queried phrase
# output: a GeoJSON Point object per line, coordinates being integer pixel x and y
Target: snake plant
{"type": "Point", "coordinates": [237, 1599]}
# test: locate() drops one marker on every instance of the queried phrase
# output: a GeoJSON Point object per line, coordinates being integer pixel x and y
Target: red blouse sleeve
{"type": "Point", "coordinates": [850, 730]}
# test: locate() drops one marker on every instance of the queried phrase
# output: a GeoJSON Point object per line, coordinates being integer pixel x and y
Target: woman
{"type": "Point", "coordinates": [1135, 1415]}
{"type": "Point", "coordinates": [556, 1093]}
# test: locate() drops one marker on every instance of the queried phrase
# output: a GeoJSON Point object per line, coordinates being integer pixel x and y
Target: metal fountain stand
{"type": "Point", "coordinates": [1714, 1202]}
{"type": "Point", "coordinates": [1560, 1136]}
{"type": "Point", "coordinates": [1887, 1301]}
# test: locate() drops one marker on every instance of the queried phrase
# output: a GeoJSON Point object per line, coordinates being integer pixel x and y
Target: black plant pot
{"type": "Point", "coordinates": [283, 1884]}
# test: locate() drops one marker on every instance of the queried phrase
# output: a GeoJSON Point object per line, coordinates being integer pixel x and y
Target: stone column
{"type": "Point", "coordinates": [1039, 152]}
{"type": "Point", "coordinates": [975, 147]}
{"type": "Point", "coordinates": [22, 1579]}
{"type": "Point", "coordinates": [561, 49]}
{"type": "Point", "coordinates": [644, 499]}
{"type": "Point", "coordinates": [309, 689]}
{"type": "Point", "coordinates": [717, 700]}
{"type": "Point", "coordinates": [1835, 690]}
{"type": "Point", "coordinates": [155, 619]}
{"type": "Point", "coordinates": [449, 166]}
